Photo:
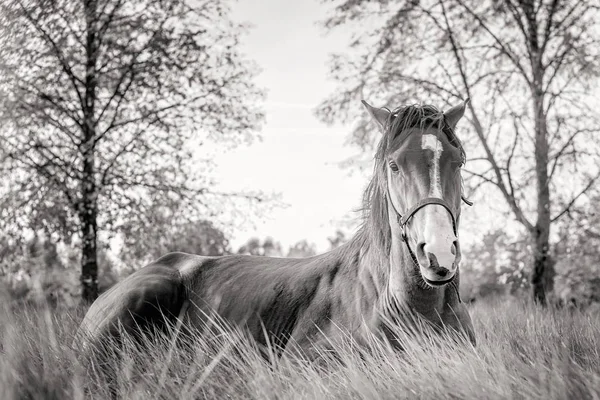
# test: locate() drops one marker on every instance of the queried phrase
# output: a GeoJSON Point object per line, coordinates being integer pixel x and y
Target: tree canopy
{"type": "Point", "coordinates": [105, 104]}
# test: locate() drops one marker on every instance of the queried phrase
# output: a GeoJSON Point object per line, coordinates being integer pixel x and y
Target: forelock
{"type": "Point", "coordinates": [422, 117]}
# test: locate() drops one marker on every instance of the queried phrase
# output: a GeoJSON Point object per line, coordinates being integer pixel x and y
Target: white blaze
{"type": "Point", "coordinates": [431, 142]}
{"type": "Point", "coordinates": [438, 234]}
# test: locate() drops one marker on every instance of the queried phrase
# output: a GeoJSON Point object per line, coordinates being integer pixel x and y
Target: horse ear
{"type": "Point", "coordinates": [380, 115]}
{"type": "Point", "coordinates": [454, 114]}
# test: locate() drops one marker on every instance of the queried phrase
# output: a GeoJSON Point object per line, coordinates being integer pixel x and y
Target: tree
{"type": "Point", "coordinates": [337, 240]}
{"type": "Point", "coordinates": [255, 247]}
{"type": "Point", "coordinates": [39, 271]}
{"type": "Point", "coordinates": [163, 231]}
{"type": "Point", "coordinates": [495, 265]}
{"type": "Point", "coordinates": [302, 249]}
{"type": "Point", "coordinates": [102, 102]}
{"type": "Point", "coordinates": [530, 69]}
{"type": "Point", "coordinates": [578, 255]}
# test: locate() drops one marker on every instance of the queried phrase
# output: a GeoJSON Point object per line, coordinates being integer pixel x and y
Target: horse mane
{"type": "Point", "coordinates": [375, 220]}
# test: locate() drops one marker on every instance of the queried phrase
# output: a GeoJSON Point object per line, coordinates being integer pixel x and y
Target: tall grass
{"type": "Point", "coordinates": [522, 352]}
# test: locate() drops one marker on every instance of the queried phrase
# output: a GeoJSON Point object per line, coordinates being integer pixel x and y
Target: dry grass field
{"type": "Point", "coordinates": [523, 352]}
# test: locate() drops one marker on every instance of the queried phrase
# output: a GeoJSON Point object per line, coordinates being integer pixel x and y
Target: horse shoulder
{"type": "Point", "coordinates": [326, 318]}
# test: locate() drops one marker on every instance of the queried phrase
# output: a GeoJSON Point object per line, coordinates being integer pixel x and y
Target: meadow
{"type": "Point", "coordinates": [523, 352]}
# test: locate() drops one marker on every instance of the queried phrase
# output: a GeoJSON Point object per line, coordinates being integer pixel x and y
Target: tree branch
{"type": "Point", "coordinates": [574, 199]}
{"type": "Point", "coordinates": [510, 157]}
{"type": "Point", "coordinates": [549, 20]}
{"type": "Point", "coordinates": [505, 48]}
{"type": "Point", "coordinates": [129, 70]}
{"type": "Point", "coordinates": [562, 150]}
{"type": "Point", "coordinates": [517, 17]}
{"type": "Point", "coordinates": [479, 129]}
{"type": "Point", "coordinates": [56, 50]}
{"type": "Point", "coordinates": [481, 176]}
{"type": "Point", "coordinates": [42, 169]}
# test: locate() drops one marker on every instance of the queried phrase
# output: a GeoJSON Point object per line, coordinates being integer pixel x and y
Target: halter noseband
{"type": "Point", "coordinates": [403, 220]}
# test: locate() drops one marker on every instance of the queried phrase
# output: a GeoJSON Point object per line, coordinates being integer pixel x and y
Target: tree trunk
{"type": "Point", "coordinates": [89, 257]}
{"type": "Point", "coordinates": [541, 230]}
{"type": "Point", "coordinates": [540, 265]}
{"type": "Point", "coordinates": [89, 187]}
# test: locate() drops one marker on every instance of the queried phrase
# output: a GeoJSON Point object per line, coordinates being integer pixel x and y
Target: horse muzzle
{"type": "Point", "coordinates": [438, 265]}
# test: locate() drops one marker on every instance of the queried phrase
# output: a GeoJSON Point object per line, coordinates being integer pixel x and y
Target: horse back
{"type": "Point", "coordinates": [279, 297]}
{"type": "Point", "coordinates": [272, 299]}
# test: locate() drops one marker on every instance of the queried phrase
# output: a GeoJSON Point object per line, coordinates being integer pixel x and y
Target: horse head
{"type": "Point", "coordinates": [420, 160]}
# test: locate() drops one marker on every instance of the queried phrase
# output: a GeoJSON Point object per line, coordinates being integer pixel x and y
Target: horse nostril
{"type": "Point", "coordinates": [453, 248]}
{"type": "Point", "coordinates": [433, 262]}
{"type": "Point", "coordinates": [442, 272]}
{"type": "Point", "coordinates": [421, 249]}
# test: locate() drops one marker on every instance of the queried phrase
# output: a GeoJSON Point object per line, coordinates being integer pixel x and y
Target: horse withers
{"type": "Point", "coordinates": [404, 260]}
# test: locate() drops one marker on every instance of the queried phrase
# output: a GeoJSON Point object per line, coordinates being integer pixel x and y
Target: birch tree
{"type": "Point", "coordinates": [530, 68]}
{"type": "Point", "coordinates": [103, 102]}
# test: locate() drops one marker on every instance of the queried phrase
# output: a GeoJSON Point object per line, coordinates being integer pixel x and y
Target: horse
{"type": "Point", "coordinates": [403, 260]}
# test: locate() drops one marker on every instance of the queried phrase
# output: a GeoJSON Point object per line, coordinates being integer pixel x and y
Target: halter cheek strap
{"type": "Point", "coordinates": [467, 201]}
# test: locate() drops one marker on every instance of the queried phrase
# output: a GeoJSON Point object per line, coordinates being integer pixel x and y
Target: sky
{"type": "Point", "coordinates": [298, 154]}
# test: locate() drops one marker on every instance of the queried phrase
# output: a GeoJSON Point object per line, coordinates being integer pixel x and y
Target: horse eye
{"type": "Point", "coordinates": [393, 166]}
